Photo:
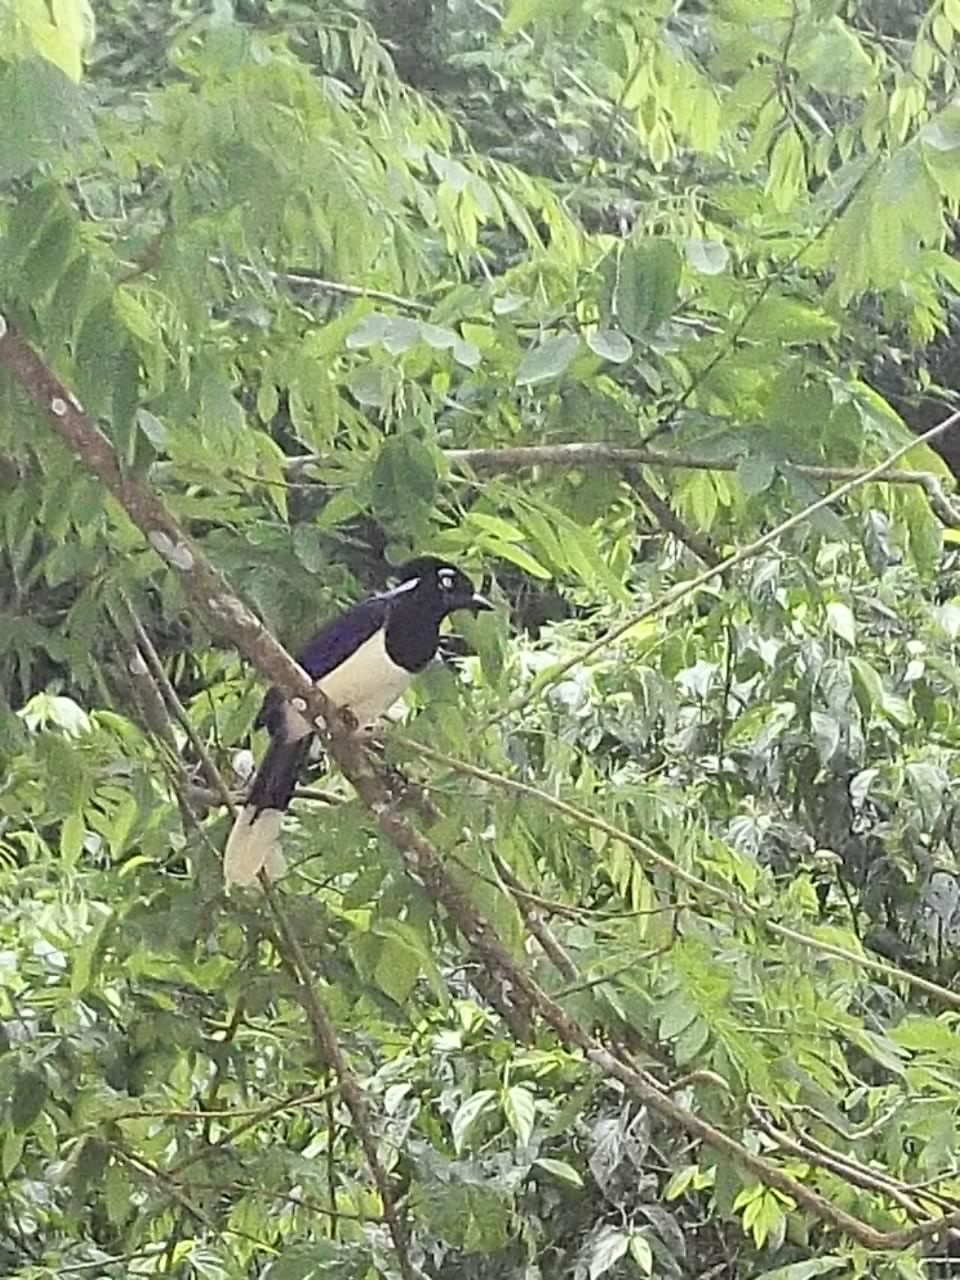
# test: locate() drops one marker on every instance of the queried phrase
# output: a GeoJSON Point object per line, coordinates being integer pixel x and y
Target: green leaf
{"type": "Point", "coordinates": [608, 1247]}
{"type": "Point", "coordinates": [826, 735]}
{"type": "Point", "coordinates": [86, 955]}
{"type": "Point", "coordinates": [117, 1194]}
{"type": "Point", "coordinates": [641, 1253]}
{"type": "Point", "coordinates": [841, 622]}
{"type": "Point", "coordinates": [788, 172]}
{"type": "Point", "coordinates": [62, 31]}
{"type": "Point", "coordinates": [610, 344]}
{"type": "Point", "coordinates": [42, 111]}
{"type": "Point", "coordinates": [560, 1169]}
{"type": "Point", "coordinates": [709, 257]}
{"type": "Point", "coordinates": [756, 473]}
{"type": "Point", "coordinates": [370, 386]}
{"type": "Point", "coordinates": [72, 834]}
{"type": "Point", "coordinates": [397, 969]}
{"type": "Point", "coordinates": [790, 321]}
{"type": "Point", "coordinates": [805, 1270]}
{"type": "Point", "coordinates": [646, 286]}
{"type": "Point", "coordinates": [835, 62]}
{"type": "Point", "coordinates": [369, 331]}
{"type": "Point", "coordinates": [516, 555]}
{"type": "Point", "coordinates": [519, 1107]}
{"type": "Point", "coordinates": [152, 428]}
{"type": "Point", "coordinates": [466, 353]}
{"type": "Point", "coordinates": [520, 13]}
{"type": "Point", "coordinates": [13, 1144]}
{"type": "Point", "coordinates": [867, 686]}
{"type": "Point", "coordinates": [405, 475]}
{"type": "Point", "coordinates": [548, 360]}
{"type": "Point", "coordinates": [690, 1041]}
{"type": "Point", "coordinates": [677, 1014]}
{"type": "Point", "coordinates": [494, 525]}
{"type": "Point", "coordinates": [928, 1035]}
{"type": "Point", "coordinates": [417, 945]}
{"type": "Point", "coordinates": [47, 259]}
{"type": "Point", "coordinates": [30, 1093]}
{"type": "Point", "coordinates": [318, 1260]}
{"type": "Point", "coordinates": [467, 1115]}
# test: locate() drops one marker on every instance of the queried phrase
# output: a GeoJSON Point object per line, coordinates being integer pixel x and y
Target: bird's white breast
{"type": "Point", "coordinates": [367, 684]}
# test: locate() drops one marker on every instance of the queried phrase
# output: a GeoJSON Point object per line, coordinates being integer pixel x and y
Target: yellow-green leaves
{"type": "Point", "coordinates": [62, 31]}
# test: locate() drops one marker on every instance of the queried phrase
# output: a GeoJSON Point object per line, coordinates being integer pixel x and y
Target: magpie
{"type": "Point", "coordinates": [363, 661]}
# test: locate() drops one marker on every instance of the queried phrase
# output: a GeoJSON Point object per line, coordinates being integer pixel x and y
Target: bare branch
{"type": "Point", "coordinates": [152, 659]}
{"type": "Point", "coordinates": [586, 454]}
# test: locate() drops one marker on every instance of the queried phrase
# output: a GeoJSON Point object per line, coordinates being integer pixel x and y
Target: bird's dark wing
{"type": "Point", "coordinates": [330, 646]}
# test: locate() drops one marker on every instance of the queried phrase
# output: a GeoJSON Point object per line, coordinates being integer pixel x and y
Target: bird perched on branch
{"type": "Point", "coordinates": [363, 662]}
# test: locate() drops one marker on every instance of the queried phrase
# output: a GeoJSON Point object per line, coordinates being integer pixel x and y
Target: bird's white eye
{"type": "Point", "coordinates": [445, 580]}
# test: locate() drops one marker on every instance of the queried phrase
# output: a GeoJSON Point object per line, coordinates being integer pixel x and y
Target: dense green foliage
{"type": "Point", "coordinates": [295, 259]}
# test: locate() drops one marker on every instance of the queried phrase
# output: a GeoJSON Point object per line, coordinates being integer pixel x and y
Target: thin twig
{"type": "Point", "coordinates": [178, 710]}
{"type": "Point", "coordinates": [849, 1170]}
{"type": "Point", "coordinates": [668, 519]}
{"type": "Point", "coordinates": [109, 1260]}
{"type": "Point", "coordinates": [332, 1056]}
{"type": "Point", "coordinates": [578, 454]}
{"type": "Point", "coordinates": [539, 928]}
{"type": "Point", "coordinates": [305, 279]}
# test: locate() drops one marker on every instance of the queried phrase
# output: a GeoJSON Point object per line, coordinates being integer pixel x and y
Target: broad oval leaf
{"type": "Point", "coordinates": [641, 1253]}
{"type": "Point", "coordinates": [548, 360]}
{"type": "Point", "coordinates": [756, 473]}
{"type": "Point", "coordinates": [468, 1113]}
{"type": "Point", "coordinates": [369, 330]}
{"type": "Point", "coordinates": [841, 621]}
{"type": "Point", "coordinates": [826, 735]}
{"type": "Point", "coordinates": [30, 1093]}
{"type": "Point", "coordinates": [647, 283]}
{"type": "Point", "coordinates": [610, 344]}
{"type": "Point", "coordinates": [709, 257]}
{"type": "Point", "coordinates": [560, 1169]}
{"type": "Point", "coordinates": [520, 1109]}
{"type": "Point", "coordinates": [607, 1249]}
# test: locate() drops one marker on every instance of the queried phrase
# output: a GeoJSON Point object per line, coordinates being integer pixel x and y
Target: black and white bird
{"type": "Point", "coordinates": [363, 661]}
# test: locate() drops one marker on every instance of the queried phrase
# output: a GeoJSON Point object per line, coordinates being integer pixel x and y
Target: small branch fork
{"type": "Point", "coordinates": [228, 616]}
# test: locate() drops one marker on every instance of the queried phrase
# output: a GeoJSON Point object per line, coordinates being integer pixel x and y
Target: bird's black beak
{"type": "Point", "coordinates": [476, 603]}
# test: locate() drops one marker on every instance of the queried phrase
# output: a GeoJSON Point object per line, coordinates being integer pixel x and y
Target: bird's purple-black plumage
{"type": "Point", "coordinates": [363, 660]}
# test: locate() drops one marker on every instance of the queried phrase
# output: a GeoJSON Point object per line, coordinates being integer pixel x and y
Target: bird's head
{"type": "Point", "coordinates": [440, 586]}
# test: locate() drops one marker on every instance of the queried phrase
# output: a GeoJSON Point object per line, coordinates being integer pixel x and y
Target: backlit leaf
{"type": "Point", "coordinates": [548, 360]}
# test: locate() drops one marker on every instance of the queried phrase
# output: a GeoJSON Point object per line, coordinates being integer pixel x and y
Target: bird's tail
{"type": "Point", "coordinates": [253, 844]}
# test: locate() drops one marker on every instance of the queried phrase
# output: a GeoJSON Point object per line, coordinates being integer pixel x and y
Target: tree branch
{"type": "Point", "coordinates": [585, 454]}
{"type": "Point", "coordinates": [590, 454]}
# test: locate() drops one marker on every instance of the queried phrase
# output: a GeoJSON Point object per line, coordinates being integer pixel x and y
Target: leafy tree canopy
{"type": "Point", "coordinates": [649, 967]}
